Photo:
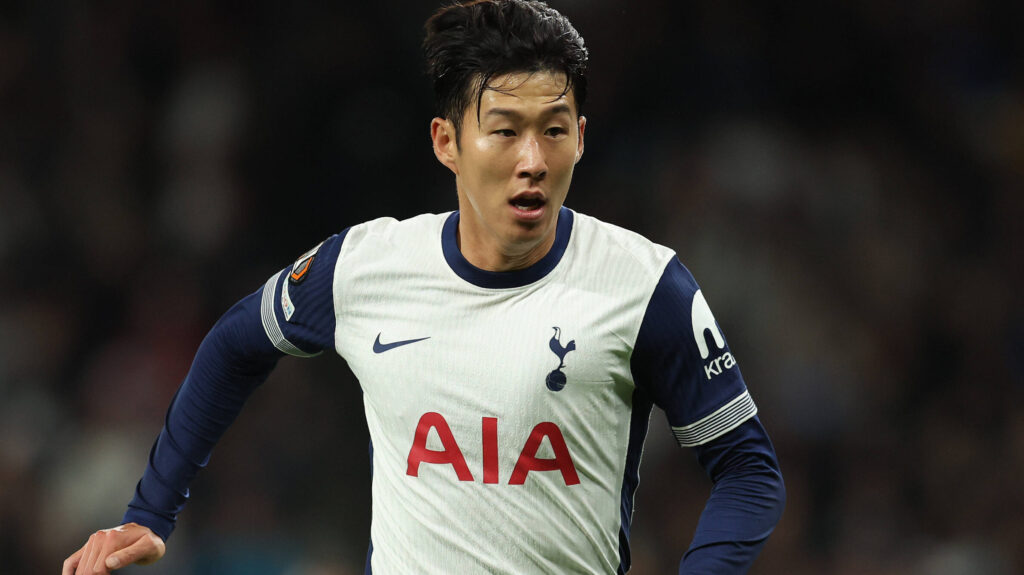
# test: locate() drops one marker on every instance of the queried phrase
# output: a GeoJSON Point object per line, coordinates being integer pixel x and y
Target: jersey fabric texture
{"type": "Point", "coordinates": [507, 411]}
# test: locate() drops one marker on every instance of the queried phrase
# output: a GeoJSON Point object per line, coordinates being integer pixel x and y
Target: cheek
{"type": "Point", "coordinates": [566, 164]}
{"type": "Point", "coordinates": [490, 166]}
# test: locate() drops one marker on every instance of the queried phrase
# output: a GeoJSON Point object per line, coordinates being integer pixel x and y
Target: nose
{"type": "Point", "coordinates": [532, 163]}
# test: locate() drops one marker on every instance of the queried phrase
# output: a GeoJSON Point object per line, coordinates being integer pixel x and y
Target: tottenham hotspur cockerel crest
{"type": "Point", "coordinates": [556, 379]}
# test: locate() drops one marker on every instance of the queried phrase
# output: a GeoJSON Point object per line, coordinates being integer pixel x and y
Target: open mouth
{"type": "Point", "coordinates": [528, 201]}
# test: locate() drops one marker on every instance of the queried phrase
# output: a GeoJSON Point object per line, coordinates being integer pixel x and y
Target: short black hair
{"type": "Point", "coordinates": [470, 42]}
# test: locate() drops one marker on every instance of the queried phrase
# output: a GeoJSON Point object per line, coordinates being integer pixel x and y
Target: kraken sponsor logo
{"type": "Point", "coordinates": [703, 321]}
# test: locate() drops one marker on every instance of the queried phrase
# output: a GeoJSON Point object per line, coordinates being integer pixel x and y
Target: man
{"type": "Point", "coordinates": [509, 353]}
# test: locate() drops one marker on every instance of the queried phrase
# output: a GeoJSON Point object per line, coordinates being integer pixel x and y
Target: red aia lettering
{"type": "Point", "coordinates": [527, 462]}
{"type": "Point", "coordinates": [490, 440]}
{"type": "Point", "coordinates": [450, 454]}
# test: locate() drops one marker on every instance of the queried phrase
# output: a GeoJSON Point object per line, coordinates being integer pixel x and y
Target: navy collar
{"type": "Point", "coordinates": [516, 278]}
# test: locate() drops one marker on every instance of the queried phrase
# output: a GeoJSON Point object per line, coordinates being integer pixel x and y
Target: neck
{"type": "Point", "coordinates": [486, 252]}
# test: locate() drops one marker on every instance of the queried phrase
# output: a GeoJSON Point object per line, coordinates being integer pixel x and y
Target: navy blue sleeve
{"type": "Point", "coordinates": [234, 358]}
{"type": "Point", "coordinates": [294, 314]}
{"type": "Point", "coordinates": [298, 303]}
{"type": "Point", "coordinates": [683, 362]}
{"type": "Point", "coordinates": [745, 504]}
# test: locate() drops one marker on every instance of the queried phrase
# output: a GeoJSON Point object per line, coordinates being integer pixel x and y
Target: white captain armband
{"type": "Point", "coordinates": [270, 324]}
{"type": "Point", "coordinates": [718, 423]}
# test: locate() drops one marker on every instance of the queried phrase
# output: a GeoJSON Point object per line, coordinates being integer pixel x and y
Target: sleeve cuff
{"type": "Point", "coordinates": [157, 523]}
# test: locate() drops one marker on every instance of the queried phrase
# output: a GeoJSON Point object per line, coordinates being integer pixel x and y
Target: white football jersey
{"type": "Point", "coordinates": [507, 411]}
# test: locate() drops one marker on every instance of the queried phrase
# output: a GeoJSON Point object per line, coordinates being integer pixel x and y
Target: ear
{"type": "Point", "coordinates": [442, 133]}
{"type": "Point", "coordinates": [582, 123]}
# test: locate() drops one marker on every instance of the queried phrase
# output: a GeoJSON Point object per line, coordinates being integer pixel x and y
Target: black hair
{"type": "Point", "coordinates": [469, 43]}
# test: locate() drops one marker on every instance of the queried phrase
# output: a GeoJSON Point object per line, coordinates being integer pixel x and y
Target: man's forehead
{"type": "Point", "coordinates": [543, 89]}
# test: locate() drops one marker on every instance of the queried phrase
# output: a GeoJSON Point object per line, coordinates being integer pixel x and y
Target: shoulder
{"type": "Point", "coordinates": [618, 246]}
{"type": "Point", "coordinates": [391, 228]}
{"type": "Point", "coordinates": [389, 231]}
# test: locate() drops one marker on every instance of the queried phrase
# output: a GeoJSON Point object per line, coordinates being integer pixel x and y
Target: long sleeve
{"type": "Point", "coordinates": [292, 314]}
{"type": "Point", "coordinates": [234, 358]}
{"type": "Point", "coordinates": [745, 503]}
{"type": "Point", "coordinates": [684, 364]}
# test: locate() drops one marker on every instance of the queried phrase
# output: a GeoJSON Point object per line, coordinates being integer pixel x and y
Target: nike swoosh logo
{"type": "Point", "coordinates": [379, 347]}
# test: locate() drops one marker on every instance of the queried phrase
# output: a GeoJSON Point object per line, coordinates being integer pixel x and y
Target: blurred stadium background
{"type": "Point", "coordinates": [845, 180]}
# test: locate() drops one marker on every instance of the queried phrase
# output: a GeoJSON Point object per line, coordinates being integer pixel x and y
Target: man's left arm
{"type": "Point", "coordinates": [745, 503]}
{"type": "Point", "coordinates": [682, 361]}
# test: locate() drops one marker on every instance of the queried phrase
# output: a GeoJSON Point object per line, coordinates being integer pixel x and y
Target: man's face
{"type": "Point", "coordinates": [514, 166]}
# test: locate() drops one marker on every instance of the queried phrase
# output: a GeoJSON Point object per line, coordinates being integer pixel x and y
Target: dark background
{"type": "Point", "coordinates": [845, 181]}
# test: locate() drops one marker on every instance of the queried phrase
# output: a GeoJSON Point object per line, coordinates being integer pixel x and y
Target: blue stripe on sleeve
{"type": "Point", "coordinates": [631, 474]}
{"type": "Point", "coordinates": [234, 359]}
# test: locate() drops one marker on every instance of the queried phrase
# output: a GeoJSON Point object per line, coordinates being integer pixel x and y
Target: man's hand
{"type": "Point", "coordinates": [111, 549]}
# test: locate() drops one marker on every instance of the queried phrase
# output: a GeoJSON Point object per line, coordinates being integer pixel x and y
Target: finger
{"type": "Point", "coordinates": [72, 562]}
{"type": "Point", "coordinates": [88, 556]}
{"type": "Point", "coordinates": [108, 543]}
{"type": "Point", "coordinates": [145, 549]}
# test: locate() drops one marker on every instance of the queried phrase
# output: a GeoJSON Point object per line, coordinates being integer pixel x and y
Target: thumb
{"type": "Point", "coordinates": [142, 550]}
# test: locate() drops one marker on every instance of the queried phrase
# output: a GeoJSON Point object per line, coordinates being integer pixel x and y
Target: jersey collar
{"type": "Point", "coordinates": [498, 280]}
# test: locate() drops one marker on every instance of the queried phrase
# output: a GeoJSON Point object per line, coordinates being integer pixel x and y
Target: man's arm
{"type": "Point", "coordinates": [745, 503]}
{"type": "Point", "coordinates": [682, 361]}
{"type": "Point", "coordinates": [233, 360]}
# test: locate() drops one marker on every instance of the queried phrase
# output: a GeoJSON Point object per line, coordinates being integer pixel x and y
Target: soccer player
{"type": "Point", "coordinates": [509, 352]}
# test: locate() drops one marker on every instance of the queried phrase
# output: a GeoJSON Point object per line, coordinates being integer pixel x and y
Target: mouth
{"type": "Point", "coordinates": [528, 204]}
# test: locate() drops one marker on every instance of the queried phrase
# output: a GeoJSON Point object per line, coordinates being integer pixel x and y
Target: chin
{"type": "Point", "coordinates": [529, 233]}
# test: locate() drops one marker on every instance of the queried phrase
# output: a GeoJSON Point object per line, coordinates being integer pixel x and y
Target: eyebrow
{"type": "Point", "coordinates": [514, 114]}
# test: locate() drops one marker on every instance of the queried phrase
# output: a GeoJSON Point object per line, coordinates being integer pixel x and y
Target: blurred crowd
{"type": "Point", "coordinates": [845, 180]}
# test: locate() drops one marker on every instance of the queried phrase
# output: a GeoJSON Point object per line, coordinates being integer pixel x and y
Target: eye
{"type": "Point", "coordinates": [505, 133]}
{"type": "Point", "coordinates": [556, 131]}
